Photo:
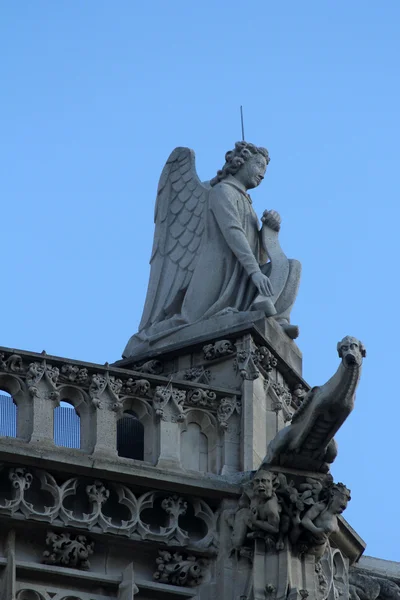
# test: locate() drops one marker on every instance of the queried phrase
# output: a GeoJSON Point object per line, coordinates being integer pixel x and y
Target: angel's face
{"type": "Point", "coordinates": [252, 172]}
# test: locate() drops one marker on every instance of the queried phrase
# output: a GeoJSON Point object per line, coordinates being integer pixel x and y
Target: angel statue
{"type": "Point", "coordinates": [209, 256]}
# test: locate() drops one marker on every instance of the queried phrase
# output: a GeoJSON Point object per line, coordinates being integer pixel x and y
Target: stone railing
{"type": "Point", "coordinates": [175, 415]}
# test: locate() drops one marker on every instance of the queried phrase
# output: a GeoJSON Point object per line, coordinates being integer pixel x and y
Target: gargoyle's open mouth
{"type": "Point", "coordinates": [350, 360]}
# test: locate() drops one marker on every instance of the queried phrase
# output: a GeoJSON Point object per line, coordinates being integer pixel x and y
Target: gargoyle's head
{"type": "Point", "coordinates": [351, 351]}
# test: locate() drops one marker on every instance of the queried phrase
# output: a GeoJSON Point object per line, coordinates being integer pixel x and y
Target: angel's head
{"type": "Point", "coordinates": [246, 162]}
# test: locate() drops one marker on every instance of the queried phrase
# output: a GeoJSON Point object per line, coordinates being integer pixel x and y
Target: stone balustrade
{"type": "Point", "coordinates": [185, 424]}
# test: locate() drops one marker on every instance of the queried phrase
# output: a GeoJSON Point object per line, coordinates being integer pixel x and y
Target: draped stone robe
{"type": "Point", "coordinates": [230, 254]}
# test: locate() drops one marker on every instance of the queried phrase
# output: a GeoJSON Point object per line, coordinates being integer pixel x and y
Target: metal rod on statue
{"type": "Point", "coordinates": [241, 118]}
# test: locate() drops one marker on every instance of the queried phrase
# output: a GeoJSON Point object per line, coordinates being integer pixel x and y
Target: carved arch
{"type": "Point", "coordinates": [29, 595]}
{"type": "Point", "coordinates": [14, 386]}
{"type": "Point", "coordinates": [340, 573]}
{"type": "Point", "coordinates": [145, 415]}
{"type": "Point", "coordinates": [86, 412]}
{"type": "Point", "coordinates": [209, 428]}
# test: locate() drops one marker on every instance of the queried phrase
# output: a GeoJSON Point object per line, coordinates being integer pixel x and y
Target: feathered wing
{"type": "Point", "coordinates": [179, 228]}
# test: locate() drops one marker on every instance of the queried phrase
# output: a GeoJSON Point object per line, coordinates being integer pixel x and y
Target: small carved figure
{"type": "Point", "coordinates": [139, 387]}
{"type": "Point", "coordinates": [218, 349]}
{"type": "Point", "coordinates": [320, 521]}
{"type": "Point", "coordinates": [152, 367]}
{"type": "Point", "coordinates": [308, 441]}
{"type": "Point", "coordinates": [259, 511]}
{"type": "Point", "coordinates": [298, 395]}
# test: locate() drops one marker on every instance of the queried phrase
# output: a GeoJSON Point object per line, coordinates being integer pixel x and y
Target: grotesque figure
{"type": "Point", "coordinates": [259, 511]}
{"type": "Point", "coordinates": [308, 441]}
{"type": "Point", "coordinates": [209, 255]}
{"type": "Point", "coordinates": [321, 520]}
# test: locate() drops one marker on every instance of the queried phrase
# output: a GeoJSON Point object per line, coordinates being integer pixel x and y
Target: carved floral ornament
{"type": "Point", "coordinates": [181, 569]}
{"type": "Point", "coordinates": [110, 390]}
{"type": "Point", "coordinates": [68, 551]}
{"type": "Point", "coordinates": [249, 359]}
{"type": "Point", "coordinates": [114, 509]}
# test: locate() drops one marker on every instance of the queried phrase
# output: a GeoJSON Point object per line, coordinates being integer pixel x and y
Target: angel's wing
{"type": "Point", "coordinates": [179, 227]}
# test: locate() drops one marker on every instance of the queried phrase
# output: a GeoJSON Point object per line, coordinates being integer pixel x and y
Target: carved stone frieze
{"type": "Point", "coordinates": [137, 387]}
{"type": "Point", "coordinates": [180, 569]}
{"type": "Point", "coordinates": [68, 551]}
{"type": "Point", "coordinates": [302, 514]}
{"type": "Point", "coordinates": [264, 359]}
{"type": "Point", "coordinates": [282, 399]}
{"type": "Point", "coordinates": [226, 408]}
{"type": "Point", "coordinates": [41, 372]}
{"type": "Point", "coordinates": [153, 367]}
{"type": "Point", "coordinates": [218, 349]}
{"type": "Point", "coordinates": [12, 363]}
{"type": "Point", "coordinates": [74, 374]}
{"type": "Point", "coordinates": [108, 388]}
{"type": "Point", "coordinates": [197, 374]}
{"type": "Point", "coordinates": [202, 398]}
{"type": "Point", "coordinates": [251, 359]}
{"type": "Point", "coordinates": [97, 386]}
{"type": "Point", "coordinates": [245, 364]}
{"type": "Point", "coordinates": [298, 395]}
{"type": "Point", "coordinates": [114, 508]}
{"type": "Point", "coordinates": [168, 403]}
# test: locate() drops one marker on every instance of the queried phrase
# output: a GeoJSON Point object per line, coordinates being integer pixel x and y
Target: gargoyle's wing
{"type": "Point", "coordinates": [179, 227]}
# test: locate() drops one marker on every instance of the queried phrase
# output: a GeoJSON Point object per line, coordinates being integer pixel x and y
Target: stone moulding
{"type": "Point", "coordinates": [101, 386]}
{"type": "Point", "coordinates": [181, 570]}
{"type": "Point", "coordinates": [113, 508]}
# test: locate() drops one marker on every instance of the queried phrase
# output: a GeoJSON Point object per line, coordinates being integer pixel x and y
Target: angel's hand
{"type": "Point", "coordinates": [262, 284]}
{"type": "Point", "coordinates": [272, 219]}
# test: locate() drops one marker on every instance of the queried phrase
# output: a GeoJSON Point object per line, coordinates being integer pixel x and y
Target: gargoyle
{"type": "Point", "coordinates": [307, 443]}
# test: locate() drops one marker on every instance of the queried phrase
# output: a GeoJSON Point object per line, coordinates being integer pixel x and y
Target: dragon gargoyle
{"type": "Point", "coordinates": [307, 443]}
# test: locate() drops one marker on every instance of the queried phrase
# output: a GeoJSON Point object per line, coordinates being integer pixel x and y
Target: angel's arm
{"type": "Point", "coordinates": [227, 217]}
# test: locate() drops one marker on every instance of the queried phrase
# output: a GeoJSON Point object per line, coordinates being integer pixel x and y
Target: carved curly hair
{"type": "Point", "coordinates": [235, 158]}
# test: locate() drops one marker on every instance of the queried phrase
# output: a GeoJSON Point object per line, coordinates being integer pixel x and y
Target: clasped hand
{"type": "Point", "coordinates": [272, 219]}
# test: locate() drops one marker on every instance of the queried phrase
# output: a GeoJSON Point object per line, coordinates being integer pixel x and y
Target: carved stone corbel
{"type": "Point", "coordinates": [168, 403]}
{"type": "Point", "coordinates": [226, 408]}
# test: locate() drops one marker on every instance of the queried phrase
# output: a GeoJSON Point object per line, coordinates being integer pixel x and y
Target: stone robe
{"type": "Point", "coordinates": [230, 253]}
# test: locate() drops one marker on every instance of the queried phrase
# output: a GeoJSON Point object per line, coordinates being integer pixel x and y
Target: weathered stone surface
{"type": "Point", "coordinates": [307, 443]}
{"type": "Point", "coordinates": [200, 226]}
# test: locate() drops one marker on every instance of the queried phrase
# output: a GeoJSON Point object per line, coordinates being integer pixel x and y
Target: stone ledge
{"type": "Point", "coordinates": [348, 541]}
{"type": "Point", "coordinates": [379, 567]}
{"type": "Point", "coordinates": [118, 470]}
{"type": "Point", "coordinates": [160, 589]}
{"type": "Point", "coordinates": [114, 369]}
{"type": "Point", "coordinates": [265, 332]}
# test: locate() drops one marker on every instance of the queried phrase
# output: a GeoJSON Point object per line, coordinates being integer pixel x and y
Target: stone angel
{"type": "Point", "coordinates": [209, 256]}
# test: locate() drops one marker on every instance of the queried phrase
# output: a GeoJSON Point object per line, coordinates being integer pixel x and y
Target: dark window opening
{"type": "Point", "coordinates": [130, 436]}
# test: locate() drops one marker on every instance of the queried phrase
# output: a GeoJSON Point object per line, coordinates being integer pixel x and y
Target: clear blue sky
{"type": "Point", "coordinates": [96, 94]}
